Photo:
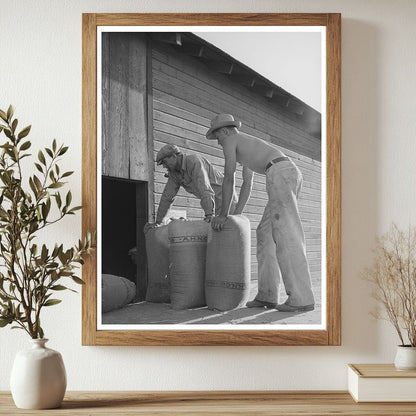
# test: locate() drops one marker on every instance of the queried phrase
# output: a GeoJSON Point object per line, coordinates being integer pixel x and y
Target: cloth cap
{"type": "Point", "coordinates": [221, 120]}
{"type": "Point", "coordinates": [166, 151]}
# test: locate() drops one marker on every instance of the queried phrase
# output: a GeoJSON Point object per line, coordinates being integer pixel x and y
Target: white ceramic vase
{"type": "Point", "coordinates": [38, 377]}
{"type": "Point", "coordinates": [405, 358]}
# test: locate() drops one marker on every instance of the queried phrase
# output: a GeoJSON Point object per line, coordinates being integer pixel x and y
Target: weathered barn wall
{"type": "Point", "coordinates": [124, 106]}
{"type": "Point", "coordinates": [187, 95]}
{"type": "Point", "coordinates": [124, 154]}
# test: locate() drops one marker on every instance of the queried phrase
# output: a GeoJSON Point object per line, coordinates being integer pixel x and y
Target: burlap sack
{"type": "Point", "coordinates": [157, 254]}
{"type": "Point", "coordinates": [187, 254]}
{"type": "Point", "coordinates": [116, 292]}
{"type": "Point", "coordinates": [227, 279]}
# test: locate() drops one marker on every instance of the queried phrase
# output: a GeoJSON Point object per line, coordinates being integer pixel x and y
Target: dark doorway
{"type": "Point", "coordinates": [124, 214]}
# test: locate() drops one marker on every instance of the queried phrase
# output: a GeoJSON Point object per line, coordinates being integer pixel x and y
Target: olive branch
{"type": "Point", "coordinates": [31, 273]}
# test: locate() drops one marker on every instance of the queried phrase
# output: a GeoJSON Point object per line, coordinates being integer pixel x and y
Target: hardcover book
{"type": "Point", "coordinates": [381, 383]}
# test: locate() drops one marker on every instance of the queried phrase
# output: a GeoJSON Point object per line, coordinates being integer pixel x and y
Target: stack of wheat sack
{"type": "Point", "coordinates": [190, 265]}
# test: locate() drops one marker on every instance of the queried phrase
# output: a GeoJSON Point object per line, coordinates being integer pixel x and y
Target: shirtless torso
{"type": "Point", "coordinates": [253, 154]}
{"type": "Point", "coordinates": [249, 151]}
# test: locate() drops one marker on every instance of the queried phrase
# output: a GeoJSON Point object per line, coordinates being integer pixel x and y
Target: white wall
{"type": "Point", "coordinates": [40, 73]}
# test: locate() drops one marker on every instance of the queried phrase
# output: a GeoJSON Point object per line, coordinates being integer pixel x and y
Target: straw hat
{"type": "Point", "coordinates": [221, 120]}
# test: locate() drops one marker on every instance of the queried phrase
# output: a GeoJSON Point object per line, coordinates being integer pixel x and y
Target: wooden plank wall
{"type": "Point", "coordinates": [187, 95]}
{"type": "Point", "coordinates": [125, 130]}
{"type": "Point", "coordinates": [124, 106]}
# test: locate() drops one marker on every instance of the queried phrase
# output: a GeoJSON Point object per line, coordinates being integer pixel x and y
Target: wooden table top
{"type": "Point", "coordinates": [178, 403]}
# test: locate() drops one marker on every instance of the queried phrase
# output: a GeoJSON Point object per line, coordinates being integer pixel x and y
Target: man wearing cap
{"type": "Point", "coordinates": [196, 175]}
{"type": "Point", "coordinates": [281, 252]}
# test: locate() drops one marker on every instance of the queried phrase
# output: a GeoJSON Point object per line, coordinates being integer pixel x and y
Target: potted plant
{"type": "Point", "coordinates": [31, 273]}
{"type": "Point", "coordinates": [393, 277]}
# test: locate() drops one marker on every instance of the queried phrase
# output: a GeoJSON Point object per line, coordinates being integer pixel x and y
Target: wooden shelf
{"type": "Point", "coordinates": [270, 403]}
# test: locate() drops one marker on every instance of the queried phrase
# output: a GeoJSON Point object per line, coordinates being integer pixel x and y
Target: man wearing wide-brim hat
{"type": "Point", "coordinates": [281, 251]}
{"type": "Point", "coordinates": [196, 175]}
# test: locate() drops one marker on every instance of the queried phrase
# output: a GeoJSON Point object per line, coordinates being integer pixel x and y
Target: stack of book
{"type": "Point", "coordinates": [381, 383]}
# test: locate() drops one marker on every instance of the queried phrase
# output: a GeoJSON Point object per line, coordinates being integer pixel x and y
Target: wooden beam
{"type": "Point", "coordinates": [194, 49]}
{"type": "Point", "coordinates": [269, 92]}
{"type": "Point", "coordinates": [172, 38]}
{"type": "Point", "coordinates": [264, 90]}
{"type": "Point", "coordinates": [282, 100]}
{"type": "Point", "coordinates": [244, 79]}
{"type": "Point", "coordinates": [221, 66]}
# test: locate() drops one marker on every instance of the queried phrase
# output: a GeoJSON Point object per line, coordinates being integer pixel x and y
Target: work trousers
{"type": "Point", "coordinates": [281, 251]}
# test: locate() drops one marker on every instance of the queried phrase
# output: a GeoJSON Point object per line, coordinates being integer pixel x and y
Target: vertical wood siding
{"type": "Point", "coordinates": [187, 95]}
{"type": "Point", "coordinates": [124, 102]}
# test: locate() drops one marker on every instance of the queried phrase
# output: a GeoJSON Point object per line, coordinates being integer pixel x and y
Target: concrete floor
{"type": "Point", "coordinates": [161, 313]}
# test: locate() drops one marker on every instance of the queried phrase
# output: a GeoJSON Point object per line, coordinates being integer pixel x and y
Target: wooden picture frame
{"type": "Point", "coordinates": [331, 334]}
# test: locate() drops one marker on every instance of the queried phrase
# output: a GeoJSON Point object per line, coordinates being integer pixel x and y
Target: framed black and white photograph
{"type": "Point", "coordinates": [211, 173]}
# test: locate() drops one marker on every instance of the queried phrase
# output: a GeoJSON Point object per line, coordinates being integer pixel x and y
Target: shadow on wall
{"type": "Point", "coordinates": [360, 179]}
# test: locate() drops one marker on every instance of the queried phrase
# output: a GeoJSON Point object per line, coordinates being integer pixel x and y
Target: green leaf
{"type": "Point", "coordinates": [77, 208]}
{"type": "Point", "coordinates": [43, 194]}
{"type": "Point", "coordinates": [49, 152]}
{"type": "Point", "coordinates": [24, 132]}
{"type": "Point", "coordinates": [60, 249]}
{"type": "Point", "coordinates": [10, 112]}
{"type": "Point", "coordinates": [33, 187]}
{"type": "Point", "coordinates": [54, 145]}
{"type": "Point", "coordinates": [44, 253]}
{"type": "Point", "coordinates": [41, 157]}
{"type": "Point", "coordinates": [39, 167]}
{"type": "Point", "coordinates": [63, 151]}
{"type": "Point", "coordinates": [51, 302]}
{"type": "Point", "coordinates": [59, 287]}
{"type": "Point", "coordinates": [68, 199]}
{"type": "Point", "coordinates": [14, 125]}
{"type": "Point", "coordinates": [53, 275]}
{"type": "Point", "coordinates": [25, 145]}
{"type": "Point", "coordinates": [37, 182]}
{"type": "Point", "coordinates": [33, 227]}
{"type": "Point", "coordinates": [76, 279]}
{"type": "Point", "coordinates": [67, 174]}
{"type": "Point", "coordinates": [61, 257]}
{"type": "Point", "coordinates": [56, 185]}
{"type": "Point", "coordinates": [3, 115]}
{"type": "Point", "coordinates": [25, 155]}
{"type": "Point", "coordinates": [40, 332]}
{"type": "Point", "coordinates": [58, 199]}
{"type": "Point", "coordinates": [55, 251]}
{"type": "Point", "coordinates": [5, 321]}
{"type": "Point", "coordinates": [8, 133]}
{"type": "Point", "coordinates": [45, 211]}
